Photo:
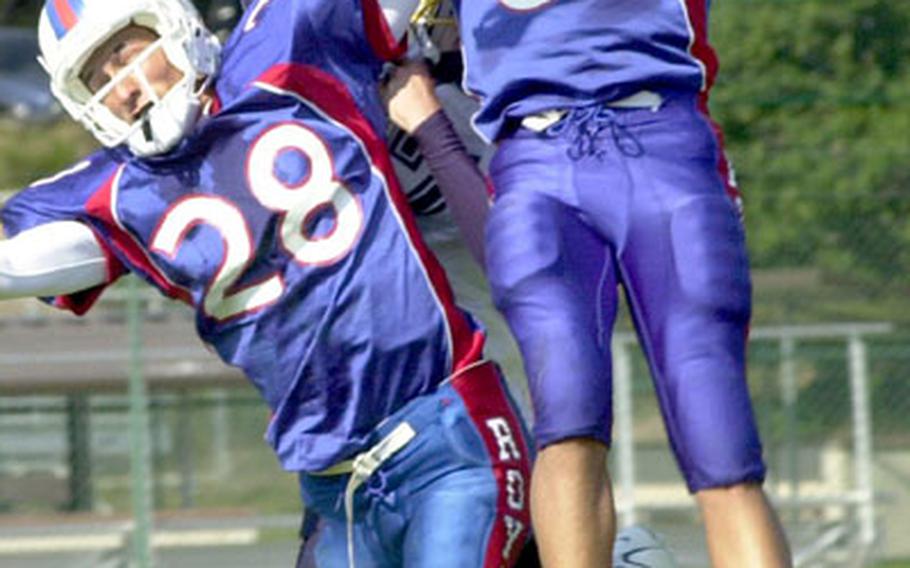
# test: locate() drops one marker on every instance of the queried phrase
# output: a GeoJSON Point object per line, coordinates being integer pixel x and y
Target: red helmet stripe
{"type": "Point", "coordinates": [65, 12]}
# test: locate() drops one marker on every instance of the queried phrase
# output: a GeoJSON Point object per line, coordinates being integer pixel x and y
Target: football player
{"type": "Point", "coordinates": [609, 172]}
{"type": "Point", "coordinates": [252, 184]}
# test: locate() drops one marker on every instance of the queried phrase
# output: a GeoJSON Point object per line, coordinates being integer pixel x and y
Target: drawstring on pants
{"type": "Point", "coordinates": [364, 466]}
{"type": "Point", "coordinates": [585, 127]}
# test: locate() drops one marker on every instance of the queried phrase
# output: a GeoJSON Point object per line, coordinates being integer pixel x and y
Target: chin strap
{"type": "Point", "coordinates": [147, 129]}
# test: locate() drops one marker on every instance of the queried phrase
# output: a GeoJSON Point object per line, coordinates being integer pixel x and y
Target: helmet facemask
{"type": "Point", "coordinates": [435, 29]}
{"type": "Point", "coordinates": [167, 118]}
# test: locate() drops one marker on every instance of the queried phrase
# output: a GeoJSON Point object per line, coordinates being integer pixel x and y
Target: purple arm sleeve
{"type": "Point", "coordinates": [459, 179]}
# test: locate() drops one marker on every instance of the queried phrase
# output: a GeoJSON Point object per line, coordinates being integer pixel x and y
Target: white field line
{"type": "Point", "coordinates": [160, 539]}
{"type": "Point", "coordinates": [73, 543]}
{"type": "Point", "coordinates": [218, 537]}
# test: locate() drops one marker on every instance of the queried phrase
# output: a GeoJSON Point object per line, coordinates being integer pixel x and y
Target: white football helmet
{"type": "Point", "coordinates": [71, 30]}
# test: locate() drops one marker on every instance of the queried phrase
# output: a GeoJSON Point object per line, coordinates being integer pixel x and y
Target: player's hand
{"type": "Point", "coordinates": [409, 96]}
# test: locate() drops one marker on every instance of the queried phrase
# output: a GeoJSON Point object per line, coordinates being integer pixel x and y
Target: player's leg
{"type": "Point", "coordinates": [741, 524]}
{"type": "Point", "coordinates": [553, 280]}
{"type": "Point", "coordinates": [453, 494]}
{"type": "Point", "coordinates": [309, 525]}
{"type": "Point", "coordinates": [686, 272]}
{"type": "Point", "coordinates": [572, 504]}
{"type": "Point", "coordinates": [471, 507]}
{"type": "Point", "coordinates": [452, 520]}
{"type": "Point", "coordinates": [325, 545]}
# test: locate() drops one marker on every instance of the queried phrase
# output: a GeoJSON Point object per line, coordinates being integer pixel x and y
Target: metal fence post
{"type": "Point", "coordinates": [80, 454]}
{"type": "Point", "coordinates": [789, 395]}
{"type": "Point", "coordinates": [186, 451]}
{"type": "Point", "coordinates": [625, 439]}
{"type": "Point", "coordinates": [862, 437]}
{"type": "Point", "coordinates": [140, 456]}
{"type": "Point", "coordinates": [221, 424]}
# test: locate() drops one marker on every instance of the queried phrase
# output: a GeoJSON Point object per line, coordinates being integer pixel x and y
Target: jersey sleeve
{"type": "Point", "coordinates": [64, 197]}
{"type": "Point", "coordinates": [355, 30]}
{"type": "Point", "coordinates": [349, 39]}
{"type": "Point", "coordinates": [295, 31]}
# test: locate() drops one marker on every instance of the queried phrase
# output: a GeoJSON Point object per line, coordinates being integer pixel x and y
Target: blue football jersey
{"type": "Point", "coordinates": [526, 56]}
{"type": "Point", "coordinates": [280, 221]}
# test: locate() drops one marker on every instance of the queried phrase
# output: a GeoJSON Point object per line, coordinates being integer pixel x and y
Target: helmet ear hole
{"type": "Point", "coordinates": [186, 43]}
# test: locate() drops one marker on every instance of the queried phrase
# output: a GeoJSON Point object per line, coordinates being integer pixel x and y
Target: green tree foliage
{"type": "Point", "coordinates": [814, 96]}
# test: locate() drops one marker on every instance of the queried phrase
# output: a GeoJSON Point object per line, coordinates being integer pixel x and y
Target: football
{"type": "Point", "coordinates": [639, 547]}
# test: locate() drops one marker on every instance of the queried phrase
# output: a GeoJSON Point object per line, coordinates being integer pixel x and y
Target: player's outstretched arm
{"type": "Point", "coordinates": [413, 106]}
{"type": "Point", "coordinates": [54, 259]}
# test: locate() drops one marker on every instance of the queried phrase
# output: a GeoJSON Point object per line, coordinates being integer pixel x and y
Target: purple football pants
{"type": "Point", "coordinates": [633, 197]}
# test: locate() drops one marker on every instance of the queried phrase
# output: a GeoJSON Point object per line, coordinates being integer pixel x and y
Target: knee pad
{"type": "Point", "coordinates": [712, 265]}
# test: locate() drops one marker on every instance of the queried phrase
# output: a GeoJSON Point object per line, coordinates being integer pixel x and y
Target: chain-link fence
{"type": "Point", "coordinates": [206, 449]}
{"type": "Point", "coordinates": [828, 397]}
{"type": "Point", "coordinates": [837, 457]}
